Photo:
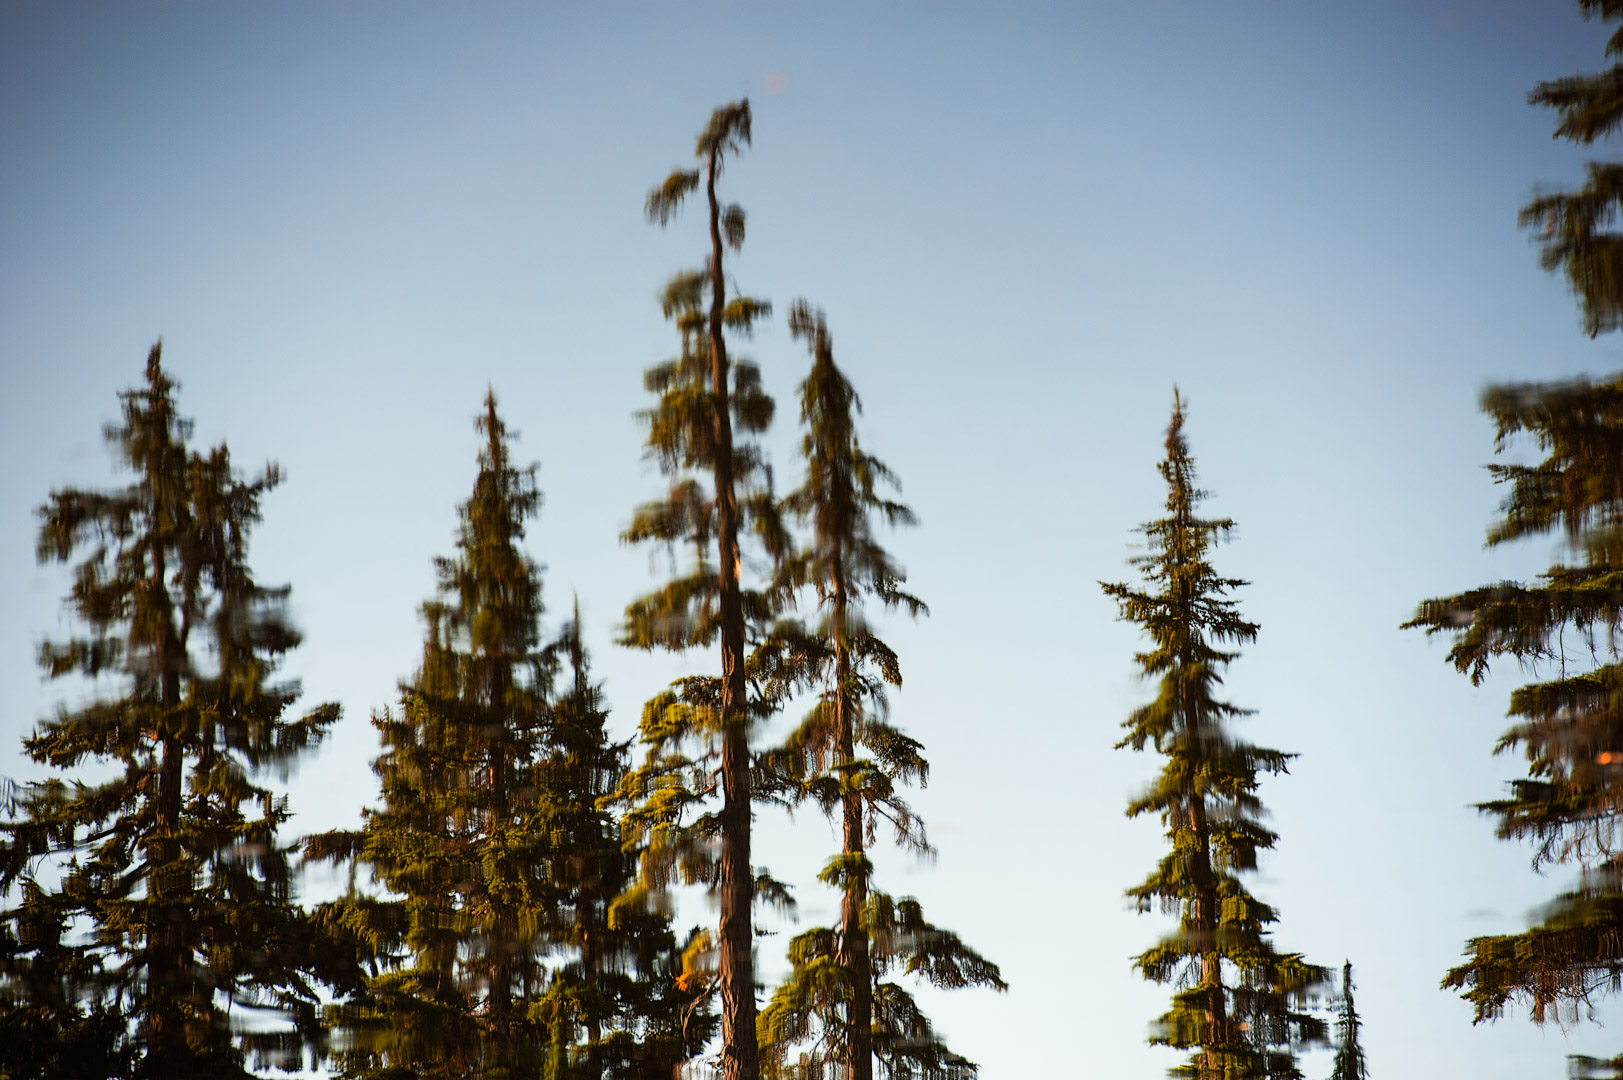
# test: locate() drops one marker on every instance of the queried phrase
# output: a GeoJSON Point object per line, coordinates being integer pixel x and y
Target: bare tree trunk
{"type": "Point", "coordinates": [736, 981]}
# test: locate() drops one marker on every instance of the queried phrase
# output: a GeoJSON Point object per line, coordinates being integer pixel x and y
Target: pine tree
{"type": "Point", "coordinates": [1240, 1003]}
{"type": "Point", "coordinates": [1349, 1063]}
{"type": "Point", "coordinates": [456, 949]}
{"type": "Point", "coordinates": [1570, 726]}
{"type": "Point", "coordinates": [1573, 225]}
{"type": "Point", "coordinates": [703, 395]}
{"type": "Point", "coordinates": [155, 897]}
{"type": "Point", "coordinates": [839, 996]}
{"type": "Point", "coordinates": [617, 1006]}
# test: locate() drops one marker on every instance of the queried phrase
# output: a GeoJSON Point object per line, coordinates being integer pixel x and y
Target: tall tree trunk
{"type": "Point", "coordinates": [503, 935]}
{"type": "Point", "coordinates": [1215, 1034]}
{"type": "Point", "coordinates": [166, 956]}
{"type": "Point", "coordinates": [736, 977]}
{"type": "Point", "coordinates": [589, 971]}
{"type": "Point", "coordinates": [853, 950]}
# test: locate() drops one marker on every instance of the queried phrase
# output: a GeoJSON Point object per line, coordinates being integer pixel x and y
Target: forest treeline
{"type": "Point", "coordinates": [510, 914]}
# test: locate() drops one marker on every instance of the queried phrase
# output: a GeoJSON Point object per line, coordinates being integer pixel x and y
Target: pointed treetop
{"type": "Point", "coordinates": [727, 133]}
{"type": "Point", "coordinates": [729, 126]}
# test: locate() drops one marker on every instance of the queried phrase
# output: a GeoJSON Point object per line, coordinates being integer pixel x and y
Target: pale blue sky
{"type": "Point", "coordinates": [1026, 222]}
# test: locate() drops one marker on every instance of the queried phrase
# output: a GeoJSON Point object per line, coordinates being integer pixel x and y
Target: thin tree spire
{"type": "Point", "coordinates": [704, 394]}
{"type": "Point", "coordinates": [1240, 1009]}
{"type": "Point", "coordinates": [839, 998]}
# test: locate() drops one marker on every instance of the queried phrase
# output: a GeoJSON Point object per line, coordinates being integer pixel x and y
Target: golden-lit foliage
{"type": "Point", "coordinates": [1240, 1005]}
{"type": "Point", "coordinates": [839, 1002]}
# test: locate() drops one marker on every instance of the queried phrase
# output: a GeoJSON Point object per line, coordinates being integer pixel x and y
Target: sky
{"type": "Point", "coordinates": [1027, 223]}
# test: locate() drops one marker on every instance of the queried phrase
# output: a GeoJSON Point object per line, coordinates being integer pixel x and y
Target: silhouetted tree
{"type": "Point", "coordinates": [1239, 1003]}
{"type": "Point", "coordinates": [719, 487]}
{"type": "Point", "coordinates": [1349, 1063]}
{"type": "Point", "coordinates": [155, 896]}
{"type": "Point", "coordinates": [839, 997]}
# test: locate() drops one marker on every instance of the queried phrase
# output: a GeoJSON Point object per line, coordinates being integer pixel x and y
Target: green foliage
{"type": "Point", "coordinates": [154, 903]}
{"type": "Point", "coordinates": [1568, 727]}
{"type": "Point", "coordinates": [1240, 1003]}
{"type": "Point", "coordinates": [454, 942]}
{"type": "Point", "coordinates": [697, 733]}
{"type": "Point", "coordinates": [812, 1007]}
{"type": "Point", "coordinates": [500, 946]}
{"type": "Point", "coordinates": [683, 728]}
{"type": "Point", "coordinates": [839, 999]}
{"type": "Point", "coordinates": [1575, 228]}
{"type": "Point", "coordinates": [619, 1005]}
{"type": "Point", "coordinates": [1563, 624]}
{"type": "Point", "coordinates": [1349, 1063]}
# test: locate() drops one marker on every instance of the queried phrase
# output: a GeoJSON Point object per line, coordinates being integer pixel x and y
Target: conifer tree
{"type": "Point", "coordinates": [457, 954]}
{"type": "Point", "coordinates": [617, 1006]}
{"type": "Point", "coordinates": [500, 949]}
{"type": "Point", "coordinates": [156, 899]}
{"type": "Point", "coordinates": [1349, 1064]}
{"type": "Point", "coordinates": [1240, 1003]}
{"type": "Point", "coordinates": [1569, 726]}
{"type": "Point", "coordinates": [839, 997]}
{"type": "Point", "coordinates": [720, 491]}
{"type": "Point", "coordinates": [1574, 227]}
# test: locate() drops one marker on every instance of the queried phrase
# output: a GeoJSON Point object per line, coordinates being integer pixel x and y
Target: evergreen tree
{"type": "Point", "coordinates": [618, 1006]}
{"type": "Point", "coordinates": [1350, 1063]}
{"type": "Point", "coordinates": [1240, 1002]}
{"type": "Point", "coordinates": [838, 996]}
{"type": "Point", "coordinates": [500, 949]}
{"type": "Point", "coordinates": [1570, 726]}
{"type": "Point", "coordinates": [703, 395]}
{"type": "Point", "coordinates": [1574, 226]}
{"type": "Point", "coordinates": [457, 952]}
{"type": "Point", "coordinates": [155, 897]}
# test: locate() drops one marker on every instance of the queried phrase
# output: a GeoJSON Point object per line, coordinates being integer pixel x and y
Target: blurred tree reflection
{"type": "Point", "coordinates": [156, 896]}
{"type": "Point", "coordinates": [1564, 623]}
{"type": "Point", "coordinates": [841, 997]}
{"type": "Point", "coordinates": [1239, 1002]}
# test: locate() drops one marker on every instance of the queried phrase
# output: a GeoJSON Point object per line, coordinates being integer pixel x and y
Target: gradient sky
{"type": "Point", "coordinates": [1026, 222]}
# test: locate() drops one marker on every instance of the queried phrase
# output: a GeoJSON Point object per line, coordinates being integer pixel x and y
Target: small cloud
{"type": "Point", "coordinates": [1482, 913]}
{"type": "Point", "coordinates": [776, 82]}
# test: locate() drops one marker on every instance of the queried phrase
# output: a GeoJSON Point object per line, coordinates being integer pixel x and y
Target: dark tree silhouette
{"type": "Point", "coordinates": [1349, 1064]}
{"type": "Point", "coordinates": [154, 890]}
